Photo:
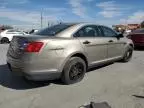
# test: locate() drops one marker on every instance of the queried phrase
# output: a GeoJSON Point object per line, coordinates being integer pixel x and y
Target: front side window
{"type": "Point", "coordinates": [87, 31]}
{"type": "Point", "coordinates": [108, 32]}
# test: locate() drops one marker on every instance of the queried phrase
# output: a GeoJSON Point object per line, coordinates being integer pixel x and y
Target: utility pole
{"type": "Point", "coordinates": [126, 24]}
{"type": "Point", "coordinates": [41, 19]}
{"type": "Point", "coordinates": [48, 24]}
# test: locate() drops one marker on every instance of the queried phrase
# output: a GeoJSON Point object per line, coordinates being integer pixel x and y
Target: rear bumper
{"type": "Point", "coordinates": [42, 76]}
{"type": "Point", "coordinates": [35, 76]}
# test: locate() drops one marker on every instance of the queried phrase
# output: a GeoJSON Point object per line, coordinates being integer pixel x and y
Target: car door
{"type": "Point", "coordinates": [93, 45]}
{"type": "Point", "coordinates": [115, 45]}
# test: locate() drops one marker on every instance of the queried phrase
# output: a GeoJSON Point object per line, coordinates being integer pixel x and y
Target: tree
{"type": "Point", "coordinates": [7, 27]}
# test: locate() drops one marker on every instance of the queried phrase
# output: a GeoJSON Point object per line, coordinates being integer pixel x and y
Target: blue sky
{"type": "Point", "coordinates": [26, 13]}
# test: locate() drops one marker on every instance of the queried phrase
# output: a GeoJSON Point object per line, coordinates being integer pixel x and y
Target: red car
{"type": "Point", "coordinates": [137, 37]}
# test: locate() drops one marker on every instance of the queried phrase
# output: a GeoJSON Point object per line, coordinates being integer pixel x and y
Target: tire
{"type": "Point", "coordinates": [74, 71]}
{"type": "Point", "coordinates": [128, 54]}
{"type": "Point", "coordinates": [4, 40]}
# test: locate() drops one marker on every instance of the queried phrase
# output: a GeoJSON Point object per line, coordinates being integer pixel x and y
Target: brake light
{"type": "Point", "coordinates": [34, 46]}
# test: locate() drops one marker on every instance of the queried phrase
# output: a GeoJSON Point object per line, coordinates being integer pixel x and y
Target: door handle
{"type": "Point", "coordinates": [110, 41]}
{"type": "Point", "coordinates": [86, 42]}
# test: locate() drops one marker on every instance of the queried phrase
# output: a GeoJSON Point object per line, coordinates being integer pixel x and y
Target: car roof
{"type": "Point", "coordinates": [71, 30]}
{"type": "Point", "coordinates": [82, 23]}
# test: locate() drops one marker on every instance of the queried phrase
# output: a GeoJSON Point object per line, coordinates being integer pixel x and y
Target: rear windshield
{"type": "Point", "coordinates": [139, 31]}
{"type": "Point", "coordinates": [53, 30]}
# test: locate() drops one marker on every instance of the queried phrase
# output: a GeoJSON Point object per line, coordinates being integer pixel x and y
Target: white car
{"type": "Point", "coordinates": [127, 32]}
{"type": "Point", "coordinates": [7, 35]}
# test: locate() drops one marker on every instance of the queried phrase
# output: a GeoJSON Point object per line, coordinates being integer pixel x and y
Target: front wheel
{"type": "Point", "coordinates": [128, 54]}
{"type": "Point", "coordinates": [74, 70]}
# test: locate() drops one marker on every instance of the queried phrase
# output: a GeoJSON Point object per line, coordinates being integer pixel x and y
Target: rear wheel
{"type": "Point", "coordinates": [4, 40]}
{"type": "Point", "coordinates": [74, 70]}
{"type": "Point", "coordinates": [128, 54]}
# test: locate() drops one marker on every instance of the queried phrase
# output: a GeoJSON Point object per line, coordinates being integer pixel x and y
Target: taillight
{"type": "Point", "coordinates": [34, 46]}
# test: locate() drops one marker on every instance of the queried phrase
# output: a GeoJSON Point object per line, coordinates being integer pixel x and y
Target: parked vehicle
{"type": "Point", "coordinates": [137, 37]}
{"type": "Point", "coordinates": [66, 51]}
{"type": "Point", "coordinates": [7, 35]}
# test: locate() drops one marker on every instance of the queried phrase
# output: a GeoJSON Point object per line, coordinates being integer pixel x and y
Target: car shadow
{"type": "Point", "coordinates": [99, 67]}
{"type": "Point", "coordinates": [8, 80]}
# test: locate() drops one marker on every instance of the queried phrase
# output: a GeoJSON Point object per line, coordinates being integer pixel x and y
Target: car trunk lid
{"type": "Point", "coordinates": [19, 44]}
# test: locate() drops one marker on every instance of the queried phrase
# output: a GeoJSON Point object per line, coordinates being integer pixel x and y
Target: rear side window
{"type": "Point", "coordinates": [53, 30]}
{"type": "Point", "coordinates": [9, 31]}
{"type": "Point", "coordinates": [21, 33]}
{"type": "Point", "coordinates": [87, 31]}
{"type": "Point", "coordinates": [14, 32]}
{"type": "Point", "coordinates": [108, 32]}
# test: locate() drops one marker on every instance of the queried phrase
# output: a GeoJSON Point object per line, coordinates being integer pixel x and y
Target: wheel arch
{"type": "Point", "coordinates": [82, 56]}
{"type": "Point", "coordinates": [4, 38]}
{"type": "Point", "coordinates": [75, 54]}
{"type": "Point", "coordinates": [131, 45]}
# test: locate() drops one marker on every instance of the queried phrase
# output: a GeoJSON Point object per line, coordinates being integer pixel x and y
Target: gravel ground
{"type": "Point", "coordinates": [115, 84]}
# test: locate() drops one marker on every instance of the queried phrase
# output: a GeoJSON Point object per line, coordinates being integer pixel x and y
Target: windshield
{"type": "Point", "coordinates": [139, 31]}
{"type": "Point", "coordinates": [53, 30]}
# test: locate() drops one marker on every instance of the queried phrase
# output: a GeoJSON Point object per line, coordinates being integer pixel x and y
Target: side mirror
{"type": "Point", "coordinates": [120, 35]}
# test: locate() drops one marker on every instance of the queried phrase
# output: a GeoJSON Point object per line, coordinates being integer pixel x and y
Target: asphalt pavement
{"type": "Point", "coordinates": [119, 84]}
